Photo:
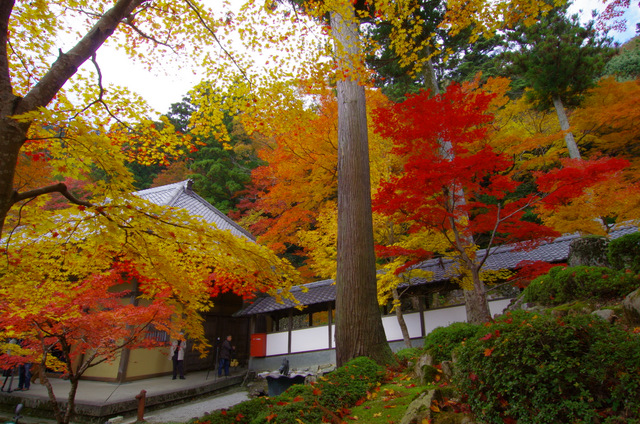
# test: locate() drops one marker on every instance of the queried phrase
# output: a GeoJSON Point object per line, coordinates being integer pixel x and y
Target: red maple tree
{"type": "Point", "coordinates": [455, 183]}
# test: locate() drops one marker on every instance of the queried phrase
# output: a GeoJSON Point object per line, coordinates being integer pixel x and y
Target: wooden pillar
{"type": "Point", "coordinates": [423, 330]}
{"type": "Point", "coordinates": [290, 328]}
{"type": "Point", "coordinates": [123, 365]}
{"type": "Point", "coordinates": [330, 321]}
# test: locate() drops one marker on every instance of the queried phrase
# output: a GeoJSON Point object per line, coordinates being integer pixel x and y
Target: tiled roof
{"type": "Point", "coordinates": [307, 294]}
{"type": "Point", "coordinates": [508, 256]}
{"type": "Point", "coordinates": [502, 257]}
{"type": "Point", "coordinates": [180, 195]}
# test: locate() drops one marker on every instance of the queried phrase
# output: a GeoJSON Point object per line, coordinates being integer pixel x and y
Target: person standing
{"type": "Point", "coordinates": [176, 354]}
{"type": "Point", "coordinates": [24, 377]}
{"type": "Point", "coordinates": [225, 356]}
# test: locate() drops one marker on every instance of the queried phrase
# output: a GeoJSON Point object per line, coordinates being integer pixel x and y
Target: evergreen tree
{"type": "Point", "coordinates": [625, 66]}
{"type": "Point", "coordinates": [456, 59]}
{"type": "Point", "coordinates": [395, 80]}
{"type": "Point", "coordinates": [558, 59]}
{"type": "Point", "coordinates": [220, 172]}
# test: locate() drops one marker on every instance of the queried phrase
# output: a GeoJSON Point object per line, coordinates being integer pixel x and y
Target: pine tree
{"type": "Point", "coordinates": [558, 59]}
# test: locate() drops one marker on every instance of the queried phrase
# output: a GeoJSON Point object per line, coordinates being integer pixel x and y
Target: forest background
{"type": "Point", "coordinates": [282, 187]}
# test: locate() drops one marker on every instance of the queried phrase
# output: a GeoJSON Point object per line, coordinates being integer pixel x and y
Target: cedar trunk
{"type": "Point", "coordinates": [359, 330]}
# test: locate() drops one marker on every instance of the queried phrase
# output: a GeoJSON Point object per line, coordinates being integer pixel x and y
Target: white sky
{"type": "Point", "coordinates": [162, 90]}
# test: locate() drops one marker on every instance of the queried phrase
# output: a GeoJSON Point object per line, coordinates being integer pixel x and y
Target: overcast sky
{"type": "Point", "coordinates": [163, 90]}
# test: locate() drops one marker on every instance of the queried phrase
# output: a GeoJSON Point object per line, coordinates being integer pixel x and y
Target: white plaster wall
{"type": "Point", "coordinates": [499, 306]}
{"type": "Point", "coordinates": [314, 338]}
{"type": "Point", "coordinates": [392, 328]}
{"type": "Point", "coordinates": [277, 343]}
{"type": "Point", "coordinates": [443, 317]}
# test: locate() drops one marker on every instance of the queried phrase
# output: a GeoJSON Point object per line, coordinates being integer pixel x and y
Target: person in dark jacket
{"type": "Point", "coordinates": [226, 350]}
{"type": "Point", "coordinates": [176, 354]}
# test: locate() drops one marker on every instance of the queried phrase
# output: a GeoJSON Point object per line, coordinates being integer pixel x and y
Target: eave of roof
{"type": "Point", "coordinates": [502, 257]}
{"type": "Point", "coordinates": [307, 294]}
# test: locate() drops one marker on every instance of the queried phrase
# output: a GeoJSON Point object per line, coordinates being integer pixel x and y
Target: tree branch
{"type": "Point", "coordinates": [56, 188]}
{"type": "Point", "coordinates": [67, 64]}
{"type": "Point", "coordinates": [213, 34]}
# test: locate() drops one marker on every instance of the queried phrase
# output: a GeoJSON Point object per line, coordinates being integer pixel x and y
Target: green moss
{"type": "Point", "coordinates": [429, 374]}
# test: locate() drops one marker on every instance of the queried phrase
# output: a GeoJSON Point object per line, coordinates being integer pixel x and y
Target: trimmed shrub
{"type": "Point", "coordinates": [563, 285]}
{"type": "Point", "coordinates": [242, 413]}
{"type": "Point", "coordinates": [349, 383]}
{"type": "Point", "coordinates": [409, 354]}
{"type": "Point", "coordinates": [441, 342]}
{"type": "Point", "coordinates": [535, 368]}
{"type": "Point", "coordinates": [303, 403]}
{"type": "Point", "coordinates": [624, 252]}
{"type": "Point", "coordinates": [295, 410]}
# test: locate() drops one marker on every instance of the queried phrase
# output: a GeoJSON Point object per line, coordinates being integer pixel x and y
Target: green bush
{"type": "Point", "coordinates": [297, 390]}
{"type": "Point", "coordinates": [295, 411]}
{"type": "Point", "coordinates": [349, 383]}
{"type": "Point", "coordinates": [409, 354]}
{"type": "Point", "coordinates": [563, 285]}
{"type": "Point", "coordinates": [624, 252]}
{"type": "Point", "coordinates": [441, 342]}
{"type": "Point", "coordinates": [535, 368]}
{"type": "Point", "coordinates": [242, 413]}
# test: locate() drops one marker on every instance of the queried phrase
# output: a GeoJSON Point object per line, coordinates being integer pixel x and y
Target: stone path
{"type": "Point", "coordinates": [185, 412]}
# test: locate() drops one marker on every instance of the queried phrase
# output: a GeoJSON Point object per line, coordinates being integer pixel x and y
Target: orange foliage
{"type": "Point", "coordinates": [609, 121]}
{"type": "Point", "coordinates": [177, 171]}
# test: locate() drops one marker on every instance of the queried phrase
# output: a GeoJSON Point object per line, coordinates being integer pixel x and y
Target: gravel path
{"type": "Point", "coordinates": [184, 412]}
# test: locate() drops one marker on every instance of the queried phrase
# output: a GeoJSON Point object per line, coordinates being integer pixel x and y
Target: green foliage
{"type": "Point", "coordinates": [242, 413]}
{"type": "Point", "coordinates": [303, 390]}
{"type": "Point", "coordinates": [219, 170]}
{"type": "Point", "coordinates": [409, 354]}
{"type": "Point", "coordinates": [388, 404]}
{"type": "Point", "coordinates": [441, 342]}
{"type": "Point", "coordinates": [219, 173]}
{"type": "Point", "coordinates": [558, 57]}
{"type": "Point", "coordinates": [533, 368]}
{"type": "Point", "coordinates": [429, 374]}
{"type": "Point", "coordinates": [563, 285]}
{"type": "Point", "coordinates": [397, 81]}
{"type": "Point", "coordinates": [624, 66]}
{"type": "Point", "coordinates": [349, 383]}
{"type": "Point", "coordinates": [624, 252]}
{"type": "Point", "coordinates": [297, 411]}
{"type": "Point", "coordinates": [304, 403]}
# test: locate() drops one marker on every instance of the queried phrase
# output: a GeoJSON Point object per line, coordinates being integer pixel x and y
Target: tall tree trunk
{"type": "Point", "coordinates": [574, 153]}
{"type": "Point", "coordinates": [359, 330]}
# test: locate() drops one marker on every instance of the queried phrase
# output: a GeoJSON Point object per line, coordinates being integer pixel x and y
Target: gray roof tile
{"type": "Point", "coordinates": [180, 195]}
{"type": "Point", "coordinates": [318, 292]}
